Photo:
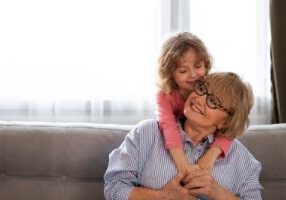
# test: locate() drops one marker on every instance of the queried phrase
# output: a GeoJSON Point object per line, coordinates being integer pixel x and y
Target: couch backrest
{"type": "Point", "coordinates": [46, 161]}
{"type": "Point", "coordinates": [56, 161]}
{"type": "Point", "coordinates": [267, 144]}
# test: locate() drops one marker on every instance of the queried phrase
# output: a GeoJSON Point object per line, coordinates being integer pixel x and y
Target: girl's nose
{"type": "Point", "coordinates": [191, 72]}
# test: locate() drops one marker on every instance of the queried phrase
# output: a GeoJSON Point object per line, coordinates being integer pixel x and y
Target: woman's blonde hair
{"type": "Point", "coordinates": [173, 48]}
{"type": "Point", "coordinates": [236, 96]}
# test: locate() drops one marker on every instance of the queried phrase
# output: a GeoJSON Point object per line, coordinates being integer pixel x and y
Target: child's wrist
{"type": "Point", "coordinates": [215, 151]}
{"type": "Point", "coordinates": [182, 167]}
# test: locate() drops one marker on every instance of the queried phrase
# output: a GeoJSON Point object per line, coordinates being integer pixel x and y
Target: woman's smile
{"type": "Point", "coordinates": [196, 108]}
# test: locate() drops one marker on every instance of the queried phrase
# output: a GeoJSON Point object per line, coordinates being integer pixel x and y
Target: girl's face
{"type": "Point", "coordinates": [188, 70]}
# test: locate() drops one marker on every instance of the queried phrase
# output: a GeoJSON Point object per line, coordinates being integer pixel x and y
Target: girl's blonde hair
{"type": "Point", "coordinates": [236, 96]}
{"type": "Point", "coordinates": [173, 48]}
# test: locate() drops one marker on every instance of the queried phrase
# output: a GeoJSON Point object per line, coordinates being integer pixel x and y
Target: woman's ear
{"type": "Point", "coordinates": [221, 125]}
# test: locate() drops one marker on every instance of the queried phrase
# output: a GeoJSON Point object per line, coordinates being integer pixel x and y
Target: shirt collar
{"type": "Point", "coordinates": [208, 140]}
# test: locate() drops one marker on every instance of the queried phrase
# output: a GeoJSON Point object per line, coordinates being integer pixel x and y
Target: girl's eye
{"type": "Point", "coordinates": [199, 65]}
{"type": "Point", "coordinates": [181, 70]}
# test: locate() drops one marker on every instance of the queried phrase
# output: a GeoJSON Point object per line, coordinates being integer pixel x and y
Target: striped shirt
{"type": "Point", "coordinates": [142, 160]}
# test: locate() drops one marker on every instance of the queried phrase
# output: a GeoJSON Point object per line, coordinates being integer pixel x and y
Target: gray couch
{"type": "Point", "coordinates": [56, 161]}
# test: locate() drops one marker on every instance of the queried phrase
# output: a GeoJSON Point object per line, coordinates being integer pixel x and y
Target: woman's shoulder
{"type": "Point", "coordinates": [146, 133]}
{"type": "Point", "coordinates": [239, 147]}
{"type": "Point", "coordinates": [147, 125]}
{"type": "Point", "coordinates": [148, 128]}
{"type": "Point", "coordinates": [241, 152]}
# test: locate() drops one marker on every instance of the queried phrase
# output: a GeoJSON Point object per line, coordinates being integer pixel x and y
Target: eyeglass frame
{"type": "Point", "coordinates": [208, 95]}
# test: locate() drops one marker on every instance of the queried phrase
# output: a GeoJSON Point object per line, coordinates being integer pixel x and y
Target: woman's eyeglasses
{"type": "Point", "coordinates": [212, 101]}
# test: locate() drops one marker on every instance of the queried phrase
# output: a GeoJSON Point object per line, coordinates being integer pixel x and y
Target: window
{"type": "Point", "coordinates": [78, 60]}
{"type": "Point", "coordinates": [238, 37]}
{"type": "Point", "coordinates": [95, 61]}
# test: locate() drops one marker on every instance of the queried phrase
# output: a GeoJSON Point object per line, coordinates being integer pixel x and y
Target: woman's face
{"type": "Point", "coordinates": [188, 70]}
{"type": "Point", "coordinates": [200, 110]}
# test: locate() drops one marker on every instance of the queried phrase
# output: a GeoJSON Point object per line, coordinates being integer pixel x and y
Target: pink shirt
{"type": "Point", "coordinates": [169, 108]}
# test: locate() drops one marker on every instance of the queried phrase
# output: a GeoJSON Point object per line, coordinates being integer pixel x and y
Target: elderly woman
{"type": "Point", "coordinates": [141, 168]}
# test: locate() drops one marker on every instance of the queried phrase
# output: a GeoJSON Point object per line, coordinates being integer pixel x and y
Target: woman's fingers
{"type": "Point", "coordinates": [193, 174]}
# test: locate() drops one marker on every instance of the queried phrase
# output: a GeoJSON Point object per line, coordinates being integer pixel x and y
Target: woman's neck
{"type": "Point", "coordinates": [196, 133]}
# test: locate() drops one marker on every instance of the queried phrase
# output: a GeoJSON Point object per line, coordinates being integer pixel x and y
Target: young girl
{"type": "Point", "coordinates": [183, 60]}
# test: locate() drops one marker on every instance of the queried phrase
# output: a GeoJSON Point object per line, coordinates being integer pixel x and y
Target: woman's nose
{"type": "Point", "coordinates": [201, 100]}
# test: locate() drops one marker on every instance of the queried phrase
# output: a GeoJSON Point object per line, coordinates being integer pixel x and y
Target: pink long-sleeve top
{"type": "Point", "coordinates": [169, 108]}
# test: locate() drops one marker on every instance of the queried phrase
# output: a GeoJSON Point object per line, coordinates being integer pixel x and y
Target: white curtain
{"type": "Point", "coordinates": [238, 36]}
{"type": "Point", "coordinates": [81, 60]}
{"type": "Point", "coordinates": [95, 61]}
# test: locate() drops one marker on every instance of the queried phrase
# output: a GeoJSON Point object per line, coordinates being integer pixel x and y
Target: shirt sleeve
{"type": "Point", "coordinates": [251, 188]}
{"type": "Point", "coordinates": [121, 175]}
{"type": "Point", "coordinates": [223, 143]}
{"type": "Point", "coordinates": [166, 116]}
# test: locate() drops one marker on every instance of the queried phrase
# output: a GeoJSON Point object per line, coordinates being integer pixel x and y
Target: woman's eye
{"type": "Point", "coordinates": [214, 101]}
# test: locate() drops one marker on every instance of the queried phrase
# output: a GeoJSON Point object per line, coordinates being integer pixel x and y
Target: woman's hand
{"type": "Point", "coordinates": [174, 190]}
{"type": "Point", "coordinates": [201, 183]}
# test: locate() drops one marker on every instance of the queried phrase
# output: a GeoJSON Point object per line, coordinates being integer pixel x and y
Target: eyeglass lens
{"type": "Point", "coordinates": [211, 100]}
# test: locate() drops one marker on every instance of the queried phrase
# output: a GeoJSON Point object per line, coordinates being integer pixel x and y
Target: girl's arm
{"type": "Point", "coordinates": [180, 160]}
{"type": "Point", "coordinates": [167, 107]}
{"type": "Point", "coordinates": [166, 115]}
{"type": "Point", "coordinates": [217, 149]}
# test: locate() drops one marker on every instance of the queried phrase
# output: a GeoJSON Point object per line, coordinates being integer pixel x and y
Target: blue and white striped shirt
{"type": "Point", "coordinates": [142, 160]}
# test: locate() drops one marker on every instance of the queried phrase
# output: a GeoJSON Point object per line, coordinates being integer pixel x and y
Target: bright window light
{"type": "Point", "coordinates": [79, 49]}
